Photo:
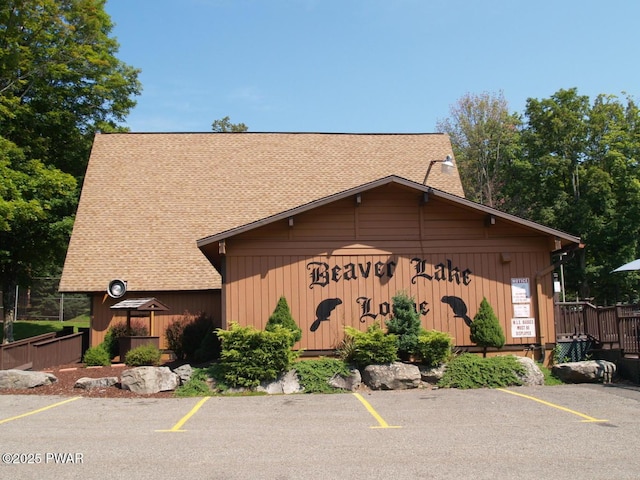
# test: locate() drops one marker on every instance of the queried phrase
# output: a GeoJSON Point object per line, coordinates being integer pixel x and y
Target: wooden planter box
{"type": "Point", "coordinates": [129, 343]}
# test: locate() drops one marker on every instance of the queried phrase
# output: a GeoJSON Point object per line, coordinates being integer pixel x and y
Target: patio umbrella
{"type": "Point", "coordinates": [635, 265]}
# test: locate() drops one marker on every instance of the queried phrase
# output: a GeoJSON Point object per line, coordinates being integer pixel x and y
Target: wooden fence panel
{"type": "Point", "coordinates": [58, 351]}
{"type": "Point", "coordinates": [20, 353]}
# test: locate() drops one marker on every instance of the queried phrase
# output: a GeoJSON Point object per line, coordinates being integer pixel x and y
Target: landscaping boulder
{"type": "Point", "coordinates": [286, 383]}
{"type": "Point", "coordinates": [589, 371]}
{"type": "Point", "coordinates": [147, 380]}
{"type": "Point", "coordinates": [533, 375]}
{"type": "Point", "coordinates": [88, 383]}
{"type": "Point", "coordinates": [25, 379]}
{"type": "Point", "coordinates": [432, 375]}
{"type": "Point", "coordinates": [392, 376]}
{"type": "Point", "coordinates": [184, 372]}
{"type": "Point", "coordinates": [351, 382]}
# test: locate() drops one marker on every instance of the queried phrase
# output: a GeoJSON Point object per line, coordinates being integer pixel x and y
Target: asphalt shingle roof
{"type": "Point", "coordinates": [147, 197]}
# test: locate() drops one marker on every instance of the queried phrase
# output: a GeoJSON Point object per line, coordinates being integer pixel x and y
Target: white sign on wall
{"type": "Point", "coordinates": [523, 327]}
{"type": "Point", "coordinates": [521, 310]}
{"type": "Point", "coordinates": [520, 291]}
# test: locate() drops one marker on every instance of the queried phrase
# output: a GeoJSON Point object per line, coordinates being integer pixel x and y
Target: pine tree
{"type": "Point", "coordinates": [405, 324]}
{"type": "Point", "coordinates": [282, 316]}
{"type": "Point", "coordinates": [485, 328]}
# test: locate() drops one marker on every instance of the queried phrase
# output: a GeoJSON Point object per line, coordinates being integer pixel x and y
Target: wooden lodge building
{"type": "Point", "coordinates": [227, 223]}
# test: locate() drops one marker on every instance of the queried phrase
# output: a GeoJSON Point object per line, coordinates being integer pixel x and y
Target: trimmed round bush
{"type": "Point", "coordinates": [144, 355]}
{"type": "Point", "coordinates": [96, 356]}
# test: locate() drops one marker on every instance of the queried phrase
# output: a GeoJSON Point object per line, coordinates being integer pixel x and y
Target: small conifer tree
{"type": "Point", "coordinates": [405, 324]}
{"type": "Point", "coordinates": [282, 316]}
{"type": "Point", "coordinates": [486, 330]}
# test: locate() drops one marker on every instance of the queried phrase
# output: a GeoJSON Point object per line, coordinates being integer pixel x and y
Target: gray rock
{"type": "Point", "coordinates": [287, 383]}
{"type": "Point", "coordinates": [147, 380]}
{"type": "Point", "coordinates": [89, 383]}
{"type": "Point", "coordinates": [25, 379]}
{"type": "Point", "coordinates": [393, 376]}
{"type": "Point", "coordinates": [351, 382]}
{"type": "Point", "coordinates": [590, 371]}
{"type": "Point", "coordinates": [184, 372]}
{"type": "Point", "coordinates": [432, 375]}
{"type": "Point", "coordinates": [533, 375]}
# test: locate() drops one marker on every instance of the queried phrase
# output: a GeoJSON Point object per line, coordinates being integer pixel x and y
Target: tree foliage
{"type": "Point", "coordinates": [484, 136]}
{"type": "Point", "coordinates": [60, 82]}
{"type": "Point", "coordinates": [224, 125]}
{"type": "Point", "coordinates": [567, 162]}
{"type": "Point", "coordinates": [486, 330]}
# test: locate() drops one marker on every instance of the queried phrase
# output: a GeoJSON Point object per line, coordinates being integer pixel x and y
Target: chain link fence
{"type": "Point", "coordinates": [42, 301]}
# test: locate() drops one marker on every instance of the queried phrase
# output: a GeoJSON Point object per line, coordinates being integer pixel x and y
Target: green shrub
{"type": "Point", "coordinates": [96, 356]}
{"type": "Point", "coordinates": [314, 375]}
{"type": "Point", "coordinates": [372, 347]}
{"type": "Point", "coordinates": [147, 354]}
{"type": "Point", "coordinates": [209, 348]}
{"type": "Point", "coordinates": [251, 356]}
{"type": "Point", "coordinates": [434, 347]}
{"type": "Point", "coordinates": [192, 337]}
{"type": "Point", "coordinates": [197, 385]}
{"type": "Point", "coordinates": [282, 316]}
{"type": "Point", "coordinates": [472, 371]}
{"type": "Point", "coordinates": [111, 342]}
{"type": "Point", "coordinates": [196, 329]}
{"type": "Point", "coordinates": [405, 324]}
{"type": "Point", "coordinates": [486, 330]}
{"type": "Point", "coordinates": [173, 335]}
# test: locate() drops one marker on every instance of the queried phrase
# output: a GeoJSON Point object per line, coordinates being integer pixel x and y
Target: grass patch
{"type": "Point", "coordinates": [549, 379]}
{"type": "Point", "coordinates": [314, 374]}
{"type": "Point", "coordinates": [31, 328]}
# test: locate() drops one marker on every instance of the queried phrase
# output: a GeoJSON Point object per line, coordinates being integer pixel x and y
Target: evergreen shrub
{"type": "Point", "coordinates": [471, 371]}
{"type": "Point", "coordinates": [314, 375]}
{"type": "Point", "coordinates": [372, 347]}
{"type": "Point", "coordinates": [282, 316]}
{"type": "Point", "coordinates": [405, 324]}
{"type": "Point", "coordinates": [250, 356]}
{"type": "Point", "coordinates": [434, 347]}
{"type": "Point", "coordinates": [486, 330]}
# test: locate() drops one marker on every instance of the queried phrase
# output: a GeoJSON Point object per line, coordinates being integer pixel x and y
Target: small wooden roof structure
{"type": "Point", "coordinates": [141, 305]}
{"type": "Point", "coordinates": [150, 305]}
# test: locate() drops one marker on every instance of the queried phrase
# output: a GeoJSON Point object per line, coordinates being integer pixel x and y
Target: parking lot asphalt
{"type": "Point", "coordinates": [590, 431]}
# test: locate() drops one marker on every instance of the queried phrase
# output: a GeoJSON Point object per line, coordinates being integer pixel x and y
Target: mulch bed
{"type": "Point", "coordinates": [67, 376]}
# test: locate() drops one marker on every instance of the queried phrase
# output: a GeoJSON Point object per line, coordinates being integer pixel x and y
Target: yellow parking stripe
{"type": "Point", "coordinates": [177, 427]}
{"type": "Point", "coordinates": [370, 409]}
{"type": "Point", "coordinates": [39, 410]}
{"type": "Point", "coordinates": [586, 418]}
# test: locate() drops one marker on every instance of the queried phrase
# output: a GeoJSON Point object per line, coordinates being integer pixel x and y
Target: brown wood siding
{"type": "Point", "coordinates": [390, 228]}
{"type": "Point", "coordinates": [178, 302]}
{"type": "Point", "coordinates": [289, 276]}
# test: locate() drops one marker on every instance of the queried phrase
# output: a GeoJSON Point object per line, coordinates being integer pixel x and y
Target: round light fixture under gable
{"type": "Point", "coordinates": [447, 166]}
{"type": "Point", "coordinates": [117, 288]}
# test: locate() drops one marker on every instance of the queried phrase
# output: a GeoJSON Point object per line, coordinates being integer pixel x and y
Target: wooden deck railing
{"type": "Point", "coordinates": [613, 327]}
{"type": "Point", "coordinates": [42, 351]}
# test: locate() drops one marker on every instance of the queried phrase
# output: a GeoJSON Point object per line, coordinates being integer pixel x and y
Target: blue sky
{"type": "Point", "coordinates": [364, 65]}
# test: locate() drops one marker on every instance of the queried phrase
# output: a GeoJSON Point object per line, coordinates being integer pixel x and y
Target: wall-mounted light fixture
{"type": "Point", "coordinates": [446, 168]}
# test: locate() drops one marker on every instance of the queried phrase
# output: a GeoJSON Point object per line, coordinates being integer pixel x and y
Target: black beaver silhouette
{"type": "Point", "coordinates": [325, 307]}
{"type": "Point", "coordinates": [459, 308]}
